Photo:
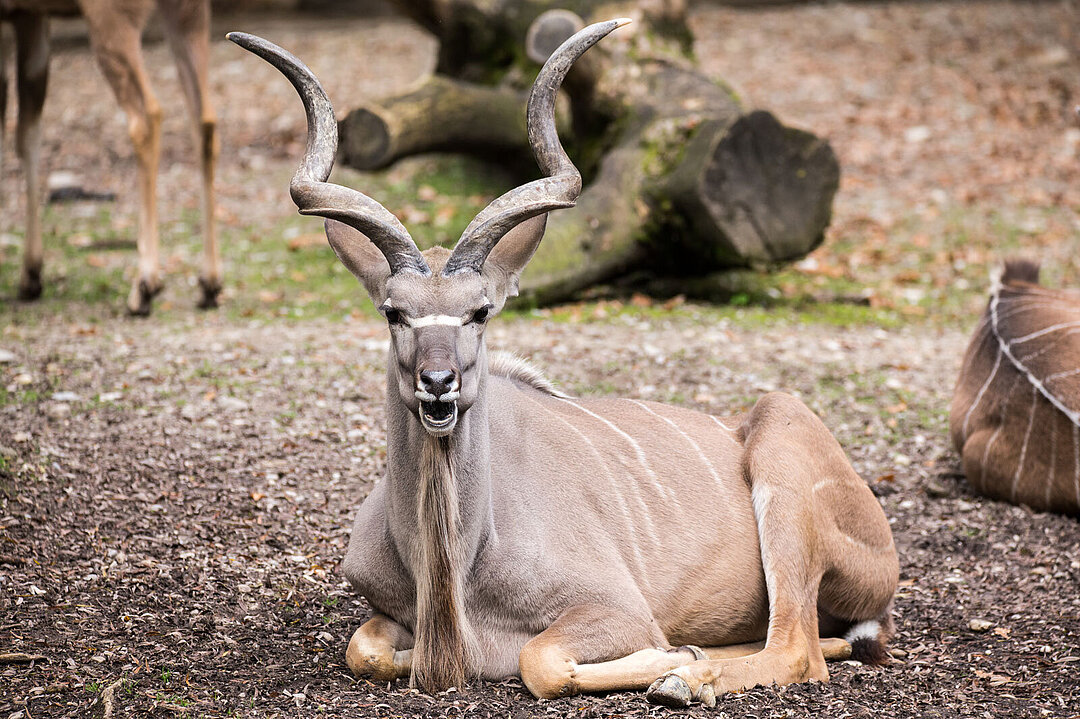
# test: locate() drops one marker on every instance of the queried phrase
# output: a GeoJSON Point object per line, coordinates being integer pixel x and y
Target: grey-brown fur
{"type": "Point", "coordinates": [579, 542]}
{"type": "Point", "coordinates": [1015, 415]}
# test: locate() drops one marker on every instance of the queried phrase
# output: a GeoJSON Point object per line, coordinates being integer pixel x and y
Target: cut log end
{"type": "Point", "coordinates": [548, 31]}
{"type": "Point", "coordinates": [367, 139]}
{"type": "Point", "coordinates": [762, 194]}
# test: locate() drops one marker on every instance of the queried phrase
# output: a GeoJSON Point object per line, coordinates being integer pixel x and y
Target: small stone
{"type": "Point", "coordinates": [24, 378]}
{"type": "Point", "coordinates": [979, 625]}
{"type": "Point", "coordinates": [933, 489]}
{"type": "Point", "coordinates": [917, 134]}
{"type": "Point", "coordinates": [65, 397]}
{"type": "Point", "coordinates": [232, 404]}
{"type": "Point", "coordinates": [21, 437]}
{"type": "Point", "coordinates": [58, 410]}
{"type": "Point", "coordinates": [7, 357]}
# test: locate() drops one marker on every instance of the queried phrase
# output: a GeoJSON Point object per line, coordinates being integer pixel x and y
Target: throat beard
{"type": "Point", "coordinates": [445, 650]}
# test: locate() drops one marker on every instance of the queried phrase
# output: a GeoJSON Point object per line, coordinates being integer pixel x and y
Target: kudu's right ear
{"type": "Point", "coordinates": [361, 257]}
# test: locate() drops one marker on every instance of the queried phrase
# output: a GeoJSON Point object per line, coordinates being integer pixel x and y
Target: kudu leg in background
{"type": "Point", "coordinates": [115, 40]}
{"type": "Point", "coordinates": [816, 550]}
{"type": "Point", "coordinates": [3, 93]}
{"type": "Point", "coordinates": [187, 25]}
{"type": "Point", "coordinates": [31, 77]}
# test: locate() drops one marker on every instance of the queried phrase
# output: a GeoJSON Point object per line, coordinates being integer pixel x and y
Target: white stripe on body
{"type": "Point", "coordinates": [633, 443]}
{"type": "Point", "coordinates": [1044, 331]}
{"type": "Point", "coordinates": [979, 395]}
{"type": "Point", "coordinates": [1006, 347]}
{"type": "Point", "coordinates": [997, 430]}
{"type": "Point", "coordinates": [688, 438]}
{"type": "Point", "coordinates": [650, 528]}
{"type": "Point", "coordinates": [1024, 445]}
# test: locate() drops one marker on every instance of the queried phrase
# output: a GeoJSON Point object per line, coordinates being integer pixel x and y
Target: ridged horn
{"type": "Point", "coordinates": [310, 191]}
{"type": "Point", "coordinates": [561, 184]}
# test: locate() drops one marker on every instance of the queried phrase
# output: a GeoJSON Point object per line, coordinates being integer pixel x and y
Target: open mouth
{"type": "Point", "coordinates": [437, 417]}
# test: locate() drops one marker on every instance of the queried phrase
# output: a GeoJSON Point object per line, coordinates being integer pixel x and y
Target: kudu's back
{"type": "Point", "coordinates": [1015, 415]}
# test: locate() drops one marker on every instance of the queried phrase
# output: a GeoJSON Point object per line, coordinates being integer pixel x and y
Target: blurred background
{"type": "Point", "coordinates": [952, 124]}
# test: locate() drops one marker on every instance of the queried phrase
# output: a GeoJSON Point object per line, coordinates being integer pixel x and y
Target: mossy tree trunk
{"type": "Point", "coordinates": [680, 180]}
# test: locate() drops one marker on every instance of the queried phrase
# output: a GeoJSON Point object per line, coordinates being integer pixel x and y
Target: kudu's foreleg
{"type": "Point", "coordinates": [32, 74]}
{"type": "Point", "coordinates": [187, 25]}
{"type": "Point", "coordinates": [381, 649]}
{"type": "Point", "coordinates": [824, 540]}
{"type": "Point", "coordinates": [115, 40]}
{"type": "Point", "coordinates": [597, 648]}
{"type": "Point", "coordinates": [569, 657]}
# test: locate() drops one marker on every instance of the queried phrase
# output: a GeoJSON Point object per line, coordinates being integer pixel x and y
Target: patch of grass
{"type": "Point", "coordinates": [929, 266]}
{"type": "Point", "coordinates": [767, 314]}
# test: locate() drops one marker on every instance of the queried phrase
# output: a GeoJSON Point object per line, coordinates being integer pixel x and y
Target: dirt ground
{"type": "Point", "coordinates": [176, 494]}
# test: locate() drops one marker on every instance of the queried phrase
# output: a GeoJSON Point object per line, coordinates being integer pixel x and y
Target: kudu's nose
{"type": "Point", "coordinates": [438, 382]}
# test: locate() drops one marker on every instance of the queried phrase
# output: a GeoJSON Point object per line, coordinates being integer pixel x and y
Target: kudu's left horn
{"type": "Point", "coordinates": [561, 184]}
{"type": "Point", "coordinates": [310, 191]}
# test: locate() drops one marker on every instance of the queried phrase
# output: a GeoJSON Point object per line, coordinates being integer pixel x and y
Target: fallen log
{"type": "Point", "coordinates": [679, 179]}
{"type": "Point", "coordinates": [439, 114]}
{"type": "Point", "coordinates": [691, 186]}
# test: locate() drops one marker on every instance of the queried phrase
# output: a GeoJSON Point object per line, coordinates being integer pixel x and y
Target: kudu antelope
{"type": "Point", "coordinates": [1015, 414]}
{"type": "Point", "coordinates": [115, 28]}
{"type": "Point", "coordinates": [588, 545]}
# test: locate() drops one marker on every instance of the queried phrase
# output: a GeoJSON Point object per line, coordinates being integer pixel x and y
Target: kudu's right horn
{"type": "Point", "coordinates": [561, 184]}
{"type": "Point", "coordinates": [310, 191]}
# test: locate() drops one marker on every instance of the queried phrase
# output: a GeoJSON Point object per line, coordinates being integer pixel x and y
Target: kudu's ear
{"type": "Point", "coordinates": [503, 267]}
{"type": "Point", "coordinates": [361, 257]}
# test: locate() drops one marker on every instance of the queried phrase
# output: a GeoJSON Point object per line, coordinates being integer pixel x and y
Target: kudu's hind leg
{"type": "Point", "coordinates": [32, 74]}
{"type": "Point", "coordinates": [115, 40]}
{"type": "Point", "coordinates": [381, 649]}
{"type": "Point", "coordinates": [823, 538]}
{"type": "Point", "coordinates": [187, 24]}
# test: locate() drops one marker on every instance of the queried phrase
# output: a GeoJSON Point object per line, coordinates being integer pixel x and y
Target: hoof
{"type": "Point", "coordinates": [30, 286]}
{"type": "Point", "coordinates": [211, 289]}
{"type": "Point", "coordinates": [670, 691]}
{"type": "Point", "coordinates": [707, 695]}
{"type": "Point", "coordinates": [141, 299]}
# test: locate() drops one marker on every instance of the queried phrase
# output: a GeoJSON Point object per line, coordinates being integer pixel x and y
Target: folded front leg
{"type": "Point", "coordinates": [593, 648]}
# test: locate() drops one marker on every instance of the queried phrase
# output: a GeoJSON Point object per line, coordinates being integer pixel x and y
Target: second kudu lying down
{"type": "Point", "coordinates": [1015, 415]}
{"type": "Point", "coordinates": [589, 545]}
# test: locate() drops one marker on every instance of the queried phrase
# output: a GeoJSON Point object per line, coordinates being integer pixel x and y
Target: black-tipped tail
{"type": "Point", "coordinates": [868, 638]}
{"type": "Point", "coordinates": [869, 651]}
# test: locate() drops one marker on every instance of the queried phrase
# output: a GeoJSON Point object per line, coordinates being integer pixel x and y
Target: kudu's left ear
{"type": "Point", "coordinates": [503, 267]}
{"type": "Point", "coordinates": [361, 257]}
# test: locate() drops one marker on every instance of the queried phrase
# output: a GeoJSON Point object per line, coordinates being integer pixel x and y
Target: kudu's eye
{"type": "Point", "coordinates": [393, 316]}
{"type": "Point", "coordinates": [481, 315]}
